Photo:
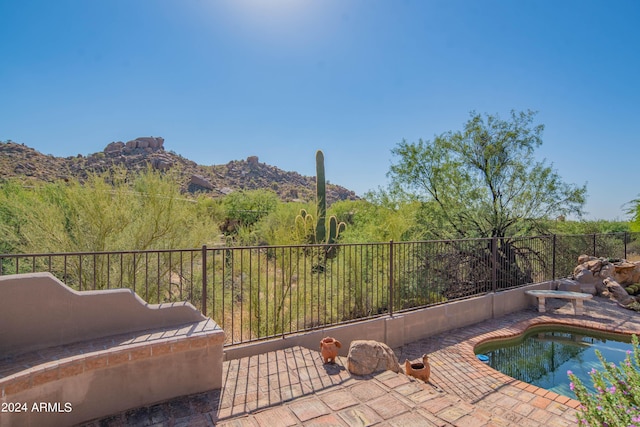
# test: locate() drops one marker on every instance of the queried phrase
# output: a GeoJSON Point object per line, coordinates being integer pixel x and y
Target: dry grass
{"type": "Point", "coordinates": [633, 257]}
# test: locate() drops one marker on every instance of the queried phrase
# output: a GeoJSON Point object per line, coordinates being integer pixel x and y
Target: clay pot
{"type": "Point", "coordinates": [329, 349]}
{"type": "Point", "coordinates": [419, 370]}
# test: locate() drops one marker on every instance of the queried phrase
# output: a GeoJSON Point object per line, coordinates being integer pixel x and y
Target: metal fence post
{"type": "Point", "coordinates": [204, 280]}
{"type": "Point", "coordinates": [626, 237]}
{"type": "Point", "coordinates": [594, 244]}
{"type": "Point", "coordinates": [494, 267]}
{"type": "Point", "coordinates": [553, 261]}
{"type": "Point", "coordinates": [391, 277]}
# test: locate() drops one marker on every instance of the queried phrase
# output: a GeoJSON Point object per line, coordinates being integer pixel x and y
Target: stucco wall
{"type": "Point", "coordinates": [406, 327]}
{"type": "Point", "coordinates": [169, 350]}
{"type": "Point", "coordinates": [39, 311]}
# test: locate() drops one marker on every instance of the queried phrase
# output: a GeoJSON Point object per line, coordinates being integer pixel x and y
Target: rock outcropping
{"type": "Point", "coordinates": [612, 278]}
{"type": "Point", "coordinates": [147, 143]}
{"type": "Point", "coordinates": [27, 164]}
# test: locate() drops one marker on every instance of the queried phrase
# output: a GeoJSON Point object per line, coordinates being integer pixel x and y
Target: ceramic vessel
{"type": "Point", "coordinates": [329, 349]}
{"type": "Point", "coordinates": [419, 370]}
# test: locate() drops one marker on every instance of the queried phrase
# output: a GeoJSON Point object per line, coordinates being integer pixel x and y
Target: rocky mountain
{"type": "Point", "coordinates": [18, 160]}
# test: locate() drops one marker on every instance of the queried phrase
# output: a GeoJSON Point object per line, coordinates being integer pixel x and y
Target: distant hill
{"type": "Point", "coordinates": [18, 160]}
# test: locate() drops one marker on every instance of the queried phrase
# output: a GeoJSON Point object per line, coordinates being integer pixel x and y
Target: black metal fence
{"type": "Point", "coordinates": [255, 293]}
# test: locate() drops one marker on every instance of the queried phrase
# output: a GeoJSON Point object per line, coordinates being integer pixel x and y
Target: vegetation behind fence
{"type": "Point", "coordinates": [255, 293]}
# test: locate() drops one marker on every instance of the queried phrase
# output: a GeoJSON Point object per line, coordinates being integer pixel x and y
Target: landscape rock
{"type": "Point", "coordinates": [618, 292]}
{"type": "Point", "coordinates": [568, 285]}
{"type": "Point", "coordinates": [626, 273]}
{"type": "Point", "coordinates": [608, 277]}
{"type": "Point", "coordinates": [587, 280]}
{"type": "Point", "coordinates": [367, 356]}
{"type": "Point", "coordinates": [584, 258]}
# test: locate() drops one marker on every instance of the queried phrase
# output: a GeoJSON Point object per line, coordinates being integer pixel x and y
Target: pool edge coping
{"type": "Point", "coordinates": [521, 328]}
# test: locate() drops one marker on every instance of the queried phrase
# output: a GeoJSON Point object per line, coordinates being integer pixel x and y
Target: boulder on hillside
{"type": "Point", "coordinates": [201, 181]}
{"type": "Point", "coordinates": [252, 160]}
{"type": "Point", "coordinates": [154, 143]}
{"type": "Point", "coordinates": [161, 163]}
{"type": "Point", "coordinates": [114, 148]}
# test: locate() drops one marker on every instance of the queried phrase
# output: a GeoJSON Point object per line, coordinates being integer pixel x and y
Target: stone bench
{"type": "Point", "coordinates": [577, 298]}
{"type": "Point", "coordinates": [68, 357]}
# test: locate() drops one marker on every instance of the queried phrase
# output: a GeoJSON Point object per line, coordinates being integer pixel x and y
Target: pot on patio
{"type": "Point", "coordinates": [329, 349]}
{"type": "Point", "coordinates": [419, 370]}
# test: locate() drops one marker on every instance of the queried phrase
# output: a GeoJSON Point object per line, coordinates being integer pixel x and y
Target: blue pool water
{"type": "Point", "coordinates": [542, 356]}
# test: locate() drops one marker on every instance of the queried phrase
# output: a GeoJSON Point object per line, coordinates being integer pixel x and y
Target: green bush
{"type": "Point", "coordinates": [616, 399]}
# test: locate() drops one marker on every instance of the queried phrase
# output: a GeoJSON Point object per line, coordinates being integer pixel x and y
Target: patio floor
{"type": "Point", "coordinates": [292, 387]}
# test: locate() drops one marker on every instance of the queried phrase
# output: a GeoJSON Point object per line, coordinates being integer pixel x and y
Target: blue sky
{"type": "Point", "coordinates": [224, 80]}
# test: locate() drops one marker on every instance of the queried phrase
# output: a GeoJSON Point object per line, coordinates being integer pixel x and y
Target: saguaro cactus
{"type": "Point", "coordinates": [321, 199]}
{"type": "Point", "coordinates": [304, 221]}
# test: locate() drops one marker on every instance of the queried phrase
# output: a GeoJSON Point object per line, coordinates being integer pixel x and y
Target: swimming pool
{"type": "Point", "coordinates": [543, 355]}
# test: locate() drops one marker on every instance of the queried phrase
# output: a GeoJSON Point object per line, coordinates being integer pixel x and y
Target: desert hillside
{"type": "Point", "coordinates": [18, 160]}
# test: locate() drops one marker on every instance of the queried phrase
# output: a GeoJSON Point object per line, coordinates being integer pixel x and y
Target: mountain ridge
{"type": "Point", "coordinates": [20, 161]}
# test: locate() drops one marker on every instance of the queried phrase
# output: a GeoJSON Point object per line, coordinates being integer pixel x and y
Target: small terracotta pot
{"type": "Point", "coordinates": [329, 349]}
{"type": "Point", "coordinates": [419, 370]}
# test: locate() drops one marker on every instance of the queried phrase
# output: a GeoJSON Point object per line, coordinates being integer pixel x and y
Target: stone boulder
{"type": "Point", "coordinates": [366, 357]}
{"type": "Point", "coordinates": [145, 142]}
{"type": "Point", "coordinates": [586, 279]}
{"type": "Point", "coordinates": [618, 293]}
{"type": "Point", "coordinates": [584, 258]}
{"type": "Point", "coordinates": [252, 160]}
{"type": "Point", "coordinates": [114, 148]}
{"type": "Point", "coordinates": [567, 285]}
{"type": "Point", "coordinates": [591, 272]}
{"type": "Point", "coordinates": [608, 277]}
{"type": "Point", "coordinates": [626, 273]}
{"type": "Point", "coordinates": [201, 181]}
{"type": "Point", "coordinates": [161, 163]}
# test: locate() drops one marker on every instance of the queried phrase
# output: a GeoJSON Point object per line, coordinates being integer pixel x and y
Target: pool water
{"type": "Point", "coordinates": [543, 355]}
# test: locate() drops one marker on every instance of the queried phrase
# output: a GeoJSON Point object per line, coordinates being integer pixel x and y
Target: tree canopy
{"type": "Point", "coordinates": [484, 181]}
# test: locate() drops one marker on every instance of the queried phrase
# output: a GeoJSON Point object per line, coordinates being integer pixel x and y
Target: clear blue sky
{"type": "Point", "coordinates": [224, 80]}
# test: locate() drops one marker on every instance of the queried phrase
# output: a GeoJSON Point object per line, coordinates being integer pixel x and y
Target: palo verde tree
{"type": "Point", "coordinates": [484, 181]}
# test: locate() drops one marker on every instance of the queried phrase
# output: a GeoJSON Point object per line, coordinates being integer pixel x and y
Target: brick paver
{"type": "Point", "coordinates": [292, 387]}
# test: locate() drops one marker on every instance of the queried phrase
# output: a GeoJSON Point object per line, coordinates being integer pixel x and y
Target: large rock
{"type": "Point", "coordinates": [607, 271]}
{"type": "Point", "coordinates": [161, 163]}
{"type": "Point", "coordinates": [366, 357]}
{"type": "Point", "coordinates": [568, 285]}
{"type": "Point", "coordinates": [587, 281]}
{"type": "Point", "coordinates": [618, 292]}
{"type": "Point", "coordinates": [114, 147]}
{"type": "Point", "coordinates": [584, 258]}
{"type": "Point", "coordinates": [252, 160]}
{"type": "Point", "coordinates": [626, 273]}
{"type": "Point", "coordinates": [142, 142]}
{"type": "Point", "coordinates": [201, 181]}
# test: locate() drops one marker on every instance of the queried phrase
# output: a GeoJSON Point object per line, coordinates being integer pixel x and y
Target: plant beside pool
{"type": "Point", "coordinates": [616, 400]}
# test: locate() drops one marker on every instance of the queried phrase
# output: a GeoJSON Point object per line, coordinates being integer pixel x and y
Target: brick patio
{"type": "Point", "coordinates": [292, 387]}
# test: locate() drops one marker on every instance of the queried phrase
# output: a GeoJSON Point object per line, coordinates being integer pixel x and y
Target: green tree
{"type": "Point", "coordinates": [243, 210]}
{"type": "Point", "coordinates": [484, 181]}
{"type": "Point", "coordinates": [633, 210]}
{"type": "Point", "coordinates": [377, 219]}
{"type": "Point", "coordinates": [111, 211]}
